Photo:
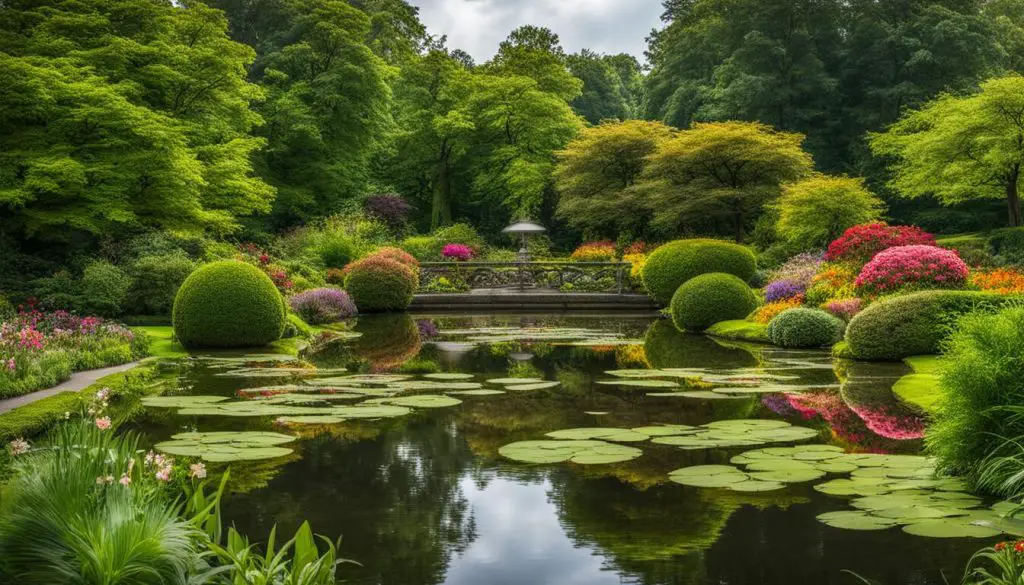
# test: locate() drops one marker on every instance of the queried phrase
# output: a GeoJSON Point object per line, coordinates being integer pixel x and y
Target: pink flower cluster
{"type": "Point", "coordinates": [845, 309]}
{"type": "Point", "coordinates": [458, 252]}
{"type": "Point", "coordinates": [861, 242]}
{"type": "Point", "coordinates": [161, 465]}
{"type": "Point", "coordinates": [912, 267]}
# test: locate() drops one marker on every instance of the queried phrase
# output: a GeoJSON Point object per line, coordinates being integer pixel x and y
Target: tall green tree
{"type": "Point", "coordinates": [124, 114]}
{"type": "Point", "coordinates": [596, 171]}
{"type": "Point", "coordinates": [722, 170]}
{"type": "Point", "coordinates": [603, 95]}
{"type": "Point", "coordinates": [328, 104]}
{"type": "Point", "coordinates": [961, 148]}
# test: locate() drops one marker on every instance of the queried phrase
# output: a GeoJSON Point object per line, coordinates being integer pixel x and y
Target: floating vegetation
{"type": "Point", "coordinates": [534, 386]}
{"type": "Point", "coordinates": [448, 376]}
{"type": "Point", "coordinates": [514, 381]}
{"type": "Point", "coordinates": [739, 433]}
{"type": "Point", "coordinates": [480, 392]}
{"type": "Point", "coordinates": [722, 476]}
{"type": "Point", "coordinates": [180, 401]}
{"type": "Point", "coordinates": [584, 452]}
{"type": "Point", "coordinates": [422, 401]}
{"type": "Point", "coordinates": [623, 435]}
{"type": "Point", "coordinates": [435, 385]}
{"type": "Point", "coordinates": [227, 446]}
{"type": "Point", "coordinates": [698, 394]}
{"type": "Point", "coordinates": [640, 383]}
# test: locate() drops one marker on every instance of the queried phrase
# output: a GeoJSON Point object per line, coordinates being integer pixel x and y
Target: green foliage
{"type": "Point", "coordinates": [721, 172]}
{"type": "Point", "coordinates": [914, 324]}
{"type": "Point", "coordinates": [459, 233]}
{"type": "Point", "coordinates": [707, 299]}
{"type": "Point", "coordinates": [155, 282]}
{"type": "Point", "coordinates": [57, 523]}
{"type": "Point", "coordinates": [423, 248]}
{"type": "Point", "coordinates": [596, 169]}
{"type": "Point", "coordinates": [981, 380]}
{"type": "Point", "coordinates": [677, 262]}
{"type": "Point", "coordinates": [817, 210]}
{"type": "Point", "coordinates": [607, 95]}
{"type": "Point", "coordinates": [7, 309]}
{"type": "Point", "coordinates": [800, 328]}
{"type": "Point", "coordinates": [961, 148]}
{"type": "Point", "coordinates": [228, 304]}
{"type": "Point", "coordinates": [103, 289]}
{"type": "Point", "coordinates": [335, 250]}
{"type": "Point", "coordinates": [1008, 245]}
{"type": "Point", "coordinates": [144, 120]}
{"type": "Point", "coordinates": [306, 565]}
{"type": "Point", "coordinates": [740, 330]}
{"type": "Point", "coordinates": [380, 285]}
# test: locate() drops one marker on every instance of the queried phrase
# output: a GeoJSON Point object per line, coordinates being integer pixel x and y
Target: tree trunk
{"type": "Point", "coordinates": [1013, 197]}
{"type": "Point", "coordinates": [738, 220]}
{"type": "Point", "coordinates": [441, 207]}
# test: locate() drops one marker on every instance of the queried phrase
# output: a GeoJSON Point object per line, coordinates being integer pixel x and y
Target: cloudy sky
{"type": "Point", "coordinates": [605, 26]}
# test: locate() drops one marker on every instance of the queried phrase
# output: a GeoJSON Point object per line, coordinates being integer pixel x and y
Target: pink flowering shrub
{"type": "Point", "coordinates": [41, 349]}
{"type": "Point", "coordinates": [845, 309]}
{"type": "Point", "coordinates": [861, 242]}
{"type": "Point", "coordinates": [458, 252]}
{"type": "Point", "coordinates": [912, 267]}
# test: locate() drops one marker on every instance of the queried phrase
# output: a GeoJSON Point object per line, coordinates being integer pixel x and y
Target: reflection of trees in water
{"type": "Point", "coordinates": [396, 500]}
{"type": "Point", "coordinates": [667, 347]}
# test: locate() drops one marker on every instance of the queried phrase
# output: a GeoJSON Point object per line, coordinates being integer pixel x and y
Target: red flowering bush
{"type": "Point", "coordinates": [862, 242]}
{"type": "Point", "coordinates": [912, 267]}
{"type": "Point", "coordinates": [594, 252]}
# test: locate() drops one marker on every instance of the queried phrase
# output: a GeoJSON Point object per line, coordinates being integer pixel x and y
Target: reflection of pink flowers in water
{"type": "Point", "coordinates": [843, 422]}
{"type": "Point", "coordinates": [899, 426]}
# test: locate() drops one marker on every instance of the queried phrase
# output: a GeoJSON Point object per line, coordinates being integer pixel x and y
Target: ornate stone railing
{"type": "Point", "coordinates": [605, 277]}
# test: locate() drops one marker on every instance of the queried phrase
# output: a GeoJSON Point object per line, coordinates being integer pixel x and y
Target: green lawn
{"type": "Point", "coordinates": [741, 330]}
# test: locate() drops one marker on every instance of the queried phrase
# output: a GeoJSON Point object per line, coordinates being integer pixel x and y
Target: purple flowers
{"type": "Point", "coordinates": [323, 305]}
{"type": "Point", "coordinates": [783, 289]}
{"type": "Point", "coordinates": [458, 252]}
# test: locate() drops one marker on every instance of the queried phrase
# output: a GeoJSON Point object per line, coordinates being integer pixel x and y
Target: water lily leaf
{"type": "Point", "coordinates": [594, 413]}
{"type": "Point", "coordinates": [448, 376]}
{"type": "Point", "coordinates": [856, 520]}
{"type": "Point", "coordinates": [697, 394]}
{"type": "Point", "coordinates": [252, 408]}
{"type": "Point", "coordinates": [910, 514]}
{"type": "Point", "coordinates": [667, 430]}
{"type": "Point", "coordinates": [370, 411]}
{"type": "Point", "coordinates": [479, 392]}
{"type": "Point", "coordinates": [747, 424]}
{"type": "Point", "coordinates": [755, 485]}
{"type": "Point", "coordinates": [511, 381]}
{"type": "Point", "coordinates": [180, 401]}
{"type": "Point", "coordinates": [788, 475]}
{"type": "Point", "coordinates": [849, 487]}
{"type": "Point", "coordinates": [586, 452]}
{"type": "Point", "coordinates": [708, 476]}
{"type": "Point", "coordinates": [950, 528]}
{"type": "Point", "coordinates": [529, 387]}
{"type": "Point", "coordinates": [227, 445]}
{"type": "Point", "coordinates": [640, 383]}
{"type": "Point", "coordinates": [311, 420]}
{"type": "Point", "coordinates": [435, 385]}
{"type": "Point", "coordinates": [605, 434]}
{"type": "Point", "coordinates": [424, 401]}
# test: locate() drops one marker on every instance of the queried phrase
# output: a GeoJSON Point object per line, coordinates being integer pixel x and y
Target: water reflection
{"type": "Point", "coordinates": [425, 499]}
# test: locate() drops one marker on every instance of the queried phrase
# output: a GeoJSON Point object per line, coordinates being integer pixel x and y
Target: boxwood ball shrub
{"type": "Point", "coordinates": [380, 284]}
{"type": "Point", "coordinates": [798, 328]}
{"type": "Point", "coordinates": [228, 304]}
{"type": "Point", "coordinates": [914, 324]}
{"type": "Point", "coordinates": [677, 262]}
{"type": "Point", "coordinates": [709, 298]}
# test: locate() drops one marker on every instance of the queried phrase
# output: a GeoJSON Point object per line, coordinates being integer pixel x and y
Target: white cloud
{"type": "Point", "coordinates": [605, 26]}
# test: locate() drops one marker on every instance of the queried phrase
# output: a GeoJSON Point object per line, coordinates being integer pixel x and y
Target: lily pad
{"type": "Point", "coordinates": [950, 528]}
{"type": "Point", "coordinates": [587, 452]}
{"type": "Point", "coordinates": [448, 376]}
{"type": "Point", "coordinates": [311, 420]}
{"type": "Point", "coordinates": [604, 434]}
{"type": "Point", "coordinates": [531, 387]}
{"type": "Point", "coordinates": [180, 401]}
{"type": "Point", "coordinates": [697, 394]}
{"type": "Point", "coordinates": [479, 392]}
{"type": "Point", "coordinates": [514, 381]}
{"type": "Point", "coordinates": [424, 401]}
{"type": "Point", "coordinates": [227, 446]}
{"type": "Point", "coordinates": [856, 520]}
{"type": "Point", "coordinates": [640, 383]}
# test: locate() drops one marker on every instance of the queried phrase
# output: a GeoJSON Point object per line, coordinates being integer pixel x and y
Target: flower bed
{"type": "Point", "coordinates": [861, 242]}
{"type": "Point", "coordinates": [1004, 281]}
{"type": "Point", "coordinates": [594, 252]}
{"type": "Point", "coordinates": [41, 349]}
{"type": "Point", "coordinates": [912, 267]}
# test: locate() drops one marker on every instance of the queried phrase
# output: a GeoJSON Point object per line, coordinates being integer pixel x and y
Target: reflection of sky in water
{"type": "Point", "coordinates": [517, 524]}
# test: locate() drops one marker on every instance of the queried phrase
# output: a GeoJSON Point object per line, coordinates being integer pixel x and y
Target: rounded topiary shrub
{"type": "Point", "coordinates": [677, 262]}
{"type": "Point", "coordinates": [709, 298]}
{"type": "Point", "coordinates": [228, 304]}
{"type": "Point", "coordinates": [914, 324]}
{"type": "Point", "coordinates": [379, 284]}
{"type": "Point", "coordinates": [805, 328]}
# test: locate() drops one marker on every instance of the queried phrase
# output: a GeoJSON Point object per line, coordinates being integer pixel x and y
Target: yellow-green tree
{"type": "Point", "coordinates": [961, 148]}
{"type": "Point", "coordinates": [595, 171]}
{"type": "Point", "coordinates": [723, 171]}
{"type": "Point", "coordinates": [818, 209]}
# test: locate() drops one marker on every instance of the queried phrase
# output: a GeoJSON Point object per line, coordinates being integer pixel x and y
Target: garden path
{"type": "Point", "coordinates": [77, 381]}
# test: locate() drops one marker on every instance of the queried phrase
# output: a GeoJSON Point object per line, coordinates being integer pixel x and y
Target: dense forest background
{"type": "Point", "coordinates": [238, 119]}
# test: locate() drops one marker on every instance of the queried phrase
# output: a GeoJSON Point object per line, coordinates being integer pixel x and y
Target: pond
{"type": "Point", "coordinates": [422, 495]}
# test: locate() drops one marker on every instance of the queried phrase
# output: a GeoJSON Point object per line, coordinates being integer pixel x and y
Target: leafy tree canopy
{"type": "Point", "coordinates": [818, 209]}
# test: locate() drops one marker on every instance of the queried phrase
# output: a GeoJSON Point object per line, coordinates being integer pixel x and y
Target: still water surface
{"type": "Point", "coordinates": [425, 499]}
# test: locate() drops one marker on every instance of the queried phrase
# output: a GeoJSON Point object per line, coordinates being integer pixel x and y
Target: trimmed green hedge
{"type": "Point", "coordinates": [914, 324]}
{"type": "Point", "coordinates": [709, 298]}
{"type": "Point", "coordinates": [677, 262]}
{"type": "Point", "coordinates": [228, 304]}
{"type": "Point", "coordinates": [799, 328]}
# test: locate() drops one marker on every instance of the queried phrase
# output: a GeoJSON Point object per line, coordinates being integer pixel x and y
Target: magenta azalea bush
{"type": "Point", "coordinates": [323, 305]}
{"type": "Point", "coordinates": [912, 267]}
{"type": "Point", "coordinates": [459, 252]}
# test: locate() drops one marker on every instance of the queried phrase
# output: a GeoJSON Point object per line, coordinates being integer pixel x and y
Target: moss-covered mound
{"type": "Point", "coordinates": [709, 298]}
{"type": "Point", "coordinates": [799, 328]}
{"type": "Point", "coordinates": [914, 324]}
{"type": "Point", "coordinates": [677, 262]}
{"type": "Point", "coordinates": [228, 304]}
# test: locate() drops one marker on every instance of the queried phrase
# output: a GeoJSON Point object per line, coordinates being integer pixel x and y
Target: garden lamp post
{"type": "Point", "coordinates": [524, 228]}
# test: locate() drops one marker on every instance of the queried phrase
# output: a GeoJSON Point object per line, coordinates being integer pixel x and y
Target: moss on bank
{"type": "Point", "coordinates": [921, 388]}
{"type": "Point", "coordinates": [741, 330]}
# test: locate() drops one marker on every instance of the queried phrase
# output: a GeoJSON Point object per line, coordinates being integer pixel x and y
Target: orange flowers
{"type": "Point", "coordinates": [1004, 281]}
{"type": "Point", "coordinates": [768, 312]}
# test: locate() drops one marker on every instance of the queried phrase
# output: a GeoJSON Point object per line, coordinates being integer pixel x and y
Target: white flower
{"type": "Point", "coordinates": [19, 447]}
{"type": "Point", "coordinates": [197, 471]}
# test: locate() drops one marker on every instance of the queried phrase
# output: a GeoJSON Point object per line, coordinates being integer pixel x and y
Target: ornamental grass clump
{"type": "Point", "coordinates": [323, 305]}
{"type": "Point", "coordinates": [805, 328]}
{"type": "Point", "coordinates": [861, 242]}
{"type": "Point", "coordinates": [380, 284]}
{"type": "Point", "coordinates": [979, 425]}
{"type": "Point", "coordinates": [710, 298]}
{"type": "Point", "coordinates": [912, 267]}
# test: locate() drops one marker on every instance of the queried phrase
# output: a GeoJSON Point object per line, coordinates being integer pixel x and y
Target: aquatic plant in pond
{"type": "Point", "coordinates": [227, 446]}
{"type": "Point", "coordinates": [582, 452]}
